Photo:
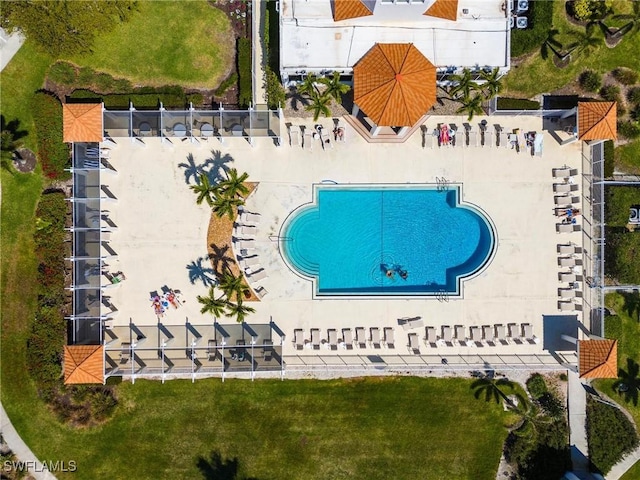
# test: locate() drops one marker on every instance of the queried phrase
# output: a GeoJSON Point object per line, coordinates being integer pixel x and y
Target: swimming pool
{"type": "Point", "coordinates": [387, 240]}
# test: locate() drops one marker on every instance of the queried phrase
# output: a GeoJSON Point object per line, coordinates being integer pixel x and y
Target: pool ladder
{"type": "Point", "coordinates": [442, 184]}
{"type": "Point", "coordinates": [442, 296]}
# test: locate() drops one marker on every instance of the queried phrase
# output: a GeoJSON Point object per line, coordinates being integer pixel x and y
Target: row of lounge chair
{"type": "Point", "coordinates": [569, 294]}
{"type": "Point", "coordinates": [565, 199]}
{"type": "Point", "coordinates": [248, 259]}
{"type": "Point", "coordinates": [332, 341]}
{"type": "Point", "coordinates": [445, 135]}
{"type": "Point", "coordinates": [302, 135]}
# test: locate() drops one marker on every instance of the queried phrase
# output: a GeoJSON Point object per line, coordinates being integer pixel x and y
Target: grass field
{"type": "Point", "coordinates": [633, 473]}
{"type": "Point", "coordinates": [628, 157]}
{"type": "Point", "coordinates": [376, 428]}
{"type": "Point", "coordinates": [536, 75]}
{"type": "Point", "coordinates": [167, 42]}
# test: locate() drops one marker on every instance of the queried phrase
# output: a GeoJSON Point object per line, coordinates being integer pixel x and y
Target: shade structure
{"type": "Point", "coordinates": [597, 121]}
{"type": "Point", "coordinates": [82, 122]}
{"type": "Point", "coordinates": [394, 84]}
{"type": "Point", "coordinates": [345, 9]}
{"type": "Point", "coordinates": [598, 358]}
{"type": "Point", "coordinates": [83, 364]}
{"type": "Point", "coordinates": [446, 9]}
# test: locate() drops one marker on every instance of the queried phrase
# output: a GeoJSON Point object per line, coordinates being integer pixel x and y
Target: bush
{"type": "Point", "coordinates": [275, 90]}
{"type": "Point", "coordinates": [610, 93]}
{"type": "Point", "coordinates": [63, 73]}
{"type": "Point", "coordinates": [635, 113]}
{"type": "Point", "coordinates": [590, 9]}
{"type": "Point", "coordinates": [52, 152]}
{"type": "Point", "coordinates": [226, 85]}
{"type": "Point", "coordinates": [629, 130]}
{"type": "Point", "coordinates": [540, 21]}
{"type": "Point", "coordinates": [245, 94]}
{"type": "Point", "coordinates": [590, 80]}
{"type": "Point", "coordinates": [536, 386]}
{"type": "Point", "coordinates": [195, 98]}
{"type": "Point", "coordinates": [609, 159]}
{"type": "Point", "coordinates": [551, 405]}
{"type": "Point", "coordinates": [626, 76]}
{"type": "Point", "coordinates": [143, 97]}
{"type": "Point", "coordinates": [505, 103]}
{"type": "Point", "coordinates": [85, 76]}
{"type": "Point", "coordinates": [622, 255]}
{"type": "Point", "coordinates": [634, 95]}
{"type": "Point", "coordinates": [610, 435]}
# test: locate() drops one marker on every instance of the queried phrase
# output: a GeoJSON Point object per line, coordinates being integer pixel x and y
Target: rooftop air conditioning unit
{"type": "Point", "coordinates": [634, 215]}
{"type": "Point", "coordinates": [523, 6]}
{"type": "Point", "coordinates": [512, 22]}
{"type": "Point", "coordinates": [521, 22]}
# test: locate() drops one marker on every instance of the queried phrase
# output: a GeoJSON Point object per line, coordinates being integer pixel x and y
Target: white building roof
{"type": "Point", "coordinates": [312, 40]}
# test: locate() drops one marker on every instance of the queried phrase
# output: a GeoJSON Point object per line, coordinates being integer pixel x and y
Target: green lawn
{"type": "Point", "coordinates": [168, 42]}
{"type": "Point", "coordinates": [375, 428]}
{"type": "Point", "coordinates": [628, 157]}
{"type": "Point", "coordinates": [536, 75]}
{"type": "Point", "coordinates": [633, 473]}
{"type": "Point", "coordinates": [625, 327]}
{"type": "Point", "coordinates": [618, 201]}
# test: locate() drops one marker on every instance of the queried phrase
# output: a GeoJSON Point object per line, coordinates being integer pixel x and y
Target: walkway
{"type": "Point", "coordinates": [258, 33]}
{"type": "Point", "coordinates": [577, 426]}
{"type": "Point", "coordinates": [620, 468]}
{"type": "Point", "coordinates": [9, 46]}
{"type": "Point", "coordinates": [20, 449]}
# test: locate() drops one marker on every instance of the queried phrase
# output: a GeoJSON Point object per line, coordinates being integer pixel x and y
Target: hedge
{"type": "Point", "coordinates": [609, 159]}
{"type": "Point", "coordinates": [52, 152]}
{"type": "Point", "coordinates": [226, 85]}
{"type": "Point", "coordinates": [536, 385]}
{"type": "Point", "coordinates": [540, 21]}
{"type": "Point", "coordinates": [245, 94]}
{"type": "Point", "coordinates": [610, 435]}
{"type": "Point", "coordinates": [144, 97]}
{"type": "Point", "coordinates": [506, 103]}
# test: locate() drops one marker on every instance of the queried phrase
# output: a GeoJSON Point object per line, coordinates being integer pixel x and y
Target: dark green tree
{"type": "Point", "coordinates": [205, 190]}
{"type": "Point", "coordinates": [334, 88]}
{"type": "Point", "coordinates": [211, 304]}
{"type": "Point", "coordinates": [234, 185]}
{"type": "Point", "coordinates": [239, 310]}
{"type": "Point", "coordinates": [319, 105]}
{"type": "Point", "coordinates": [463, 85]}
{"type": "Point", "coordinates": [471, 106]}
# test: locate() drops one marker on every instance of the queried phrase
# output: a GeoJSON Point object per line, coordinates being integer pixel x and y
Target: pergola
{"type": "Point", "coordinates": [598, 358]}
{"type": "Point", "coordinates": [597, 121]}
{"type": "Point", "coordinates": [394, 86]}
{"type": "Point", "coordinates": [83, 364]}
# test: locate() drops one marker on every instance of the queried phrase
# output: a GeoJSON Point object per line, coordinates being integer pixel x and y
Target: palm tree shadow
{"type": "Point", "coordinates": [215, 468]}
{"type": "Point", "coordinates": [631, 303]}
{"type": "Point", "coordinates": [217, 166]}
{"type": "Point", "coordinates": [200, 273]}
{"type": "Point", "coordinates": [630, 380]}
{"type": "Point", "coordinates": [192, 170]}
{"type": "Point", "coordinates": [298, 100]}
{"type": "Point", "coordinates": [14, 127]}
{"type": "Point", "coordinates": [221, 259]}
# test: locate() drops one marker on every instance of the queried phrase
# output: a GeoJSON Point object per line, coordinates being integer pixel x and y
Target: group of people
{"type": "Point", "coordinates": [391, 271]}
{"type": "Point", "coordinates": [445, 134]}
{"type": "Point", "coordinates": [570, 215]}
{"type": "Point", "coordinates": [161, 304]}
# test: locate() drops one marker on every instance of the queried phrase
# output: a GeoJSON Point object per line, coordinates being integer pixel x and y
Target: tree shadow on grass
{"type": "Point", "coordinates": [198, 272]}
{"type": "Point", "coordinates": [628, 383]}
{"type": "Point", "coordinates": [215, 468]}
{"type": "Point", "coordinates": [631, 303]}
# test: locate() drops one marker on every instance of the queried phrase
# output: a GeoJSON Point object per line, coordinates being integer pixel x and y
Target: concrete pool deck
{"type": "Point", "coordinates": [161, 231]}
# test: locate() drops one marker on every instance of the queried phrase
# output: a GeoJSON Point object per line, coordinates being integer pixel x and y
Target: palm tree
{"type": "Point", "coordinates": [463, 84]}
{"type": "Point", "coordinates": [491, 387]}
{"type": "Point", "coordinates": [225, 205]}
{"type": "Point", "coordinates": [308, 85]}
{"type": "Point", "coordinates": [585, 42]}
{"type": "Point", "coordinates": [215, 306]}
{"type": "Point", "coordinates": [628, 382]}
{"type": "Point", "coordinates": [232, 286]}
{"type": "Point", "coordinates": [205, 190]}
{"type": "Point", "coordinates": [319, 105]}
{"type": "Point", "coordinates": [239, 310]}
{"type": "Point", "coordinates": [493, 84]}
{"type": "Point", "coordinates": [472, 106]}
{"type": "Point", "coordinates": [531, 419]}
{"type": "Point", "coordinates": [234, 185]}
{"type": "Point", "coordinates": [334, 89]}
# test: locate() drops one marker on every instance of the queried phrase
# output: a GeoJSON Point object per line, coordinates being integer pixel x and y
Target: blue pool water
{"type": "Point", "coordinates": [350, 237]}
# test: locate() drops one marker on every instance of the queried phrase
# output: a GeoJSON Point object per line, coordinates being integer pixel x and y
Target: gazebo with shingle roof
{"type": "Point", "coordinates": [597, 121]}
{"type": "Point", "coordinates": [394, 85]}
{"type": "Point", "coordinates": [83, 364]}
{"type": "Point", "coordinates": [598, 358]}
{"type": "Point", "coordinates": [82, 122]}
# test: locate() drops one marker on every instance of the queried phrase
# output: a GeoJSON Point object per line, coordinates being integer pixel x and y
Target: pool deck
{"type": "Point", "coordinates": [161, 231]}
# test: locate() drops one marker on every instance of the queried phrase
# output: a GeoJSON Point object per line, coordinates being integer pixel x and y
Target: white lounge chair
{"type": "Point", "coordinates": [340, 132]}
{"type": "Point", "coordinates": [475, 335]}
{"type": "Point", "coordinates": [348, 338]}
{"type": "Point", "coordinates": [315, 338]}
{"type": "Point", "coordinates": [248, 218]}
{"type": "Point", "coordinates": [249, 262]}
{"type": "Point", "coordinates": [307, 141]}
{"type": "Point", "coordinates": [565, 187]}
{"type": "Point", "coordinates": [375, 337]}
{"type": "Point", "coordinates": [389, 338]}
{"type": "Point", "coordinates": [566, 200]}
{"type": "Point", "coordinates": [502, 139]}
{"type": "Point", "coordinates": [567, 249]}
{"type": "Point", "coordinates": [567, 277]}
{"type": "Point", "coordinates": [414, 344]}
{"type": "Point", "coordinates": [446, 334]}
{"type": "Point", "coordinates": [245, 244]}
{"type": "Point", "coordinates": [567, 227]}
{"type": "Point", "coordinates": [294, 135]}
{"type": "Point", "coordinates": [430, 336]}
{"type": "Point", "coordinates": [487, 334]}
{"type": "Point", "coordinates": [566, 293]}
{"type": "Point", "coordinates": [514, 332]}
{"type": "Point", "coordinates": [459, 334]}
{"type": "Point", "coordinates": [325, 138]}
{"type": "Point", "coordinates": [527, 330]}
{"type": "Point", "coordinates": [261, 292]}
{"type": "Point", "coordinates": [298, 338]}
{"type": "Point", "coordinates": [332, 337]}
{"type": "Point", "coordinates": [248, 230]}
{"type": "Point", "coordinates": [257, 276]}
{"type": "Point", "coordinates": [566, 306]}
{"type": "Point", "coordinates": [360, 337]}
{"type": "Point", "coordinates": [566, 261]}
{"type": "Point", "coordinates": [472, 138]}
{"type": "Point", "coordinates": [499, 333]}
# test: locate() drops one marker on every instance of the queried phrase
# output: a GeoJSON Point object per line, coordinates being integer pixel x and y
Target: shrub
{"type": "Point", "coordinates": [629, 130]}
{"type": "Point", "coordinates": [609, 159]}
{"type": "Point", "coordinates": [610, 93]}
{"type": "Point", "coordinates": [635, 113]}
{"type": "Point", "coordinates": [505, 103]}
{"type": "Point", "coordinates": [590, 9]}
{"type": "Point", "coordinates": [626, 76]}
{"type": "Point", "coordinates": [610, 435]}
{"type": "Point", "coordinates": [563, 376]}
{"type": "Point", "coordinates": [63, 73]}
{"type": "Point", "coordinates": [245, 94]}
{"type": "Point", "coordinates": [85, 76]}
{"type": "Point", "coordinates": [52, 152]}
{"type": "Point", "coordinates": [530, 39]}
{"type": "Point", "coordinates": [275, 90]}
{"type": "Point", "coordinates": [226, 85]}
{"type": "Point", "coordinates": [143, 97]}
{"type": "Point", "coordinates": [551, 405]}
{"type": "Point", "coordinates": [536, 385]}
{"type": "Point", "coordinates": [195, 98]}
{"type": "Point", "coordinates": [633, 95]}
{"type": "Point", "coordinates": [590, 80]}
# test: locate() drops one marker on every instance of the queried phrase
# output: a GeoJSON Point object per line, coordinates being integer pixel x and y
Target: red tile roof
{"type": "Point", "coordinates": [447, 9]}
{"type": "Point", "coordinates": [82, 122]}
{"type": "Point", "coordinates": [597, 121]}
{"type": "Point", "coordinates": [345, 9]}
{"type": "Point", "coordinates": [394, 84]}
{"type": "Point", "coordinates": [83, 364]}
{"type": "Point", "coordinates": [598, 358]}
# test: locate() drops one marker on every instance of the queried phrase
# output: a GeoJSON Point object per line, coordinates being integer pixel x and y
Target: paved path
{"type": "Point", "coordinates": [20, 449]}
{"type": "Point", "coordinates": [620, 468]}
{"type": "Point", "coordinates": [577, 427]}
{"type": "Point", "coordinates": [9, 45]}
{"type": "Point", "coordinates": [258, 33]}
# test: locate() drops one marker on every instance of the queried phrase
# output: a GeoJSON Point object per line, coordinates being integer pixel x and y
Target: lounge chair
{"type": "Point", "coordinates": [249, 262]}
{"type": "Point", "coordinates": [245, 244]}
{"type": "Point", "coordinates": [567, 227]}
{"type": "Point", "coordinates": [298, 338]}
{"type": "Point", "coordinates": [567, 248]}
{"type": "Point", "coordinates": [446, 335]}
{"type": "Point", "coordinates": [261, 292]}
{"type": "Point", "coordinates": [430, 336]}
{"type": "Point", "coordinates": [500, 333]}
{"type": "Point", "coordinates": [566, 293]}
{"type": "Point", "coordinates": [259, 275]}
{"type": "Point", "coordinates": [375, 337]}
{"type": "Point", "coordinates": [414, 345]}
{"type": "Point", "coordinates": [486, 139]}
{"type": "Point", "coordinates": [566, 200]}
{"type": "Point", "coordinates": [247, 230]}
{"type": "Point", "coordinates": [514, 331]}
{"type": "Point", "coordinates": [389, 339]}
{"type": "Point", "coordinates": [527, 330]}
{"type": "Point", "coordinates": [487, 333]}
{"type": "Point", "coordinates": [307, 141]}
{"type": "Point", "coordinates": [325, 138]}
{"type": "Point", "coordinates": [456, 139]}
{"type": "Point", "coordinates": [348, 338]}
{"type": "Point", "coordinates": [475, 335]}
{"type": "Point", "coordinates": [566, 262]}
{"type": "Point", "coordinates": [561, 172]}
{"type": "Point", "coordinates": [361, 341]}
{"type": "Point", "coordinates": [248, 218]}
{"type": "Point", "coordinates": [565, 187]}
{"type": "Point", "coordinates": [458, 334]}
{"type": "Point", "coordinates": [568, 277]}
{"type": "Point", "coordinates": [332, 337]}
{"type": "Point", "coordinates": [125, 352]}
{"type": "Point", "coordinates": [502, 138]}
{"type": "Point", "coordinates": [315, 338]}
{"type": "Point", "coordinates": [340, 132]}
{"type": "Point", "coordinates": [294, 135]}
{"type": "Point", "coordinates": [566, 306]}
{"type": "Point", "coordinates": [472, 138]}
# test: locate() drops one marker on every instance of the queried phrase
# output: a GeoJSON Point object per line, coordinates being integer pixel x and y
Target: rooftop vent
{"type": "Point", "coordinates": [521, 22]}
{"type": "Point", "coordinates": [523, 6]}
